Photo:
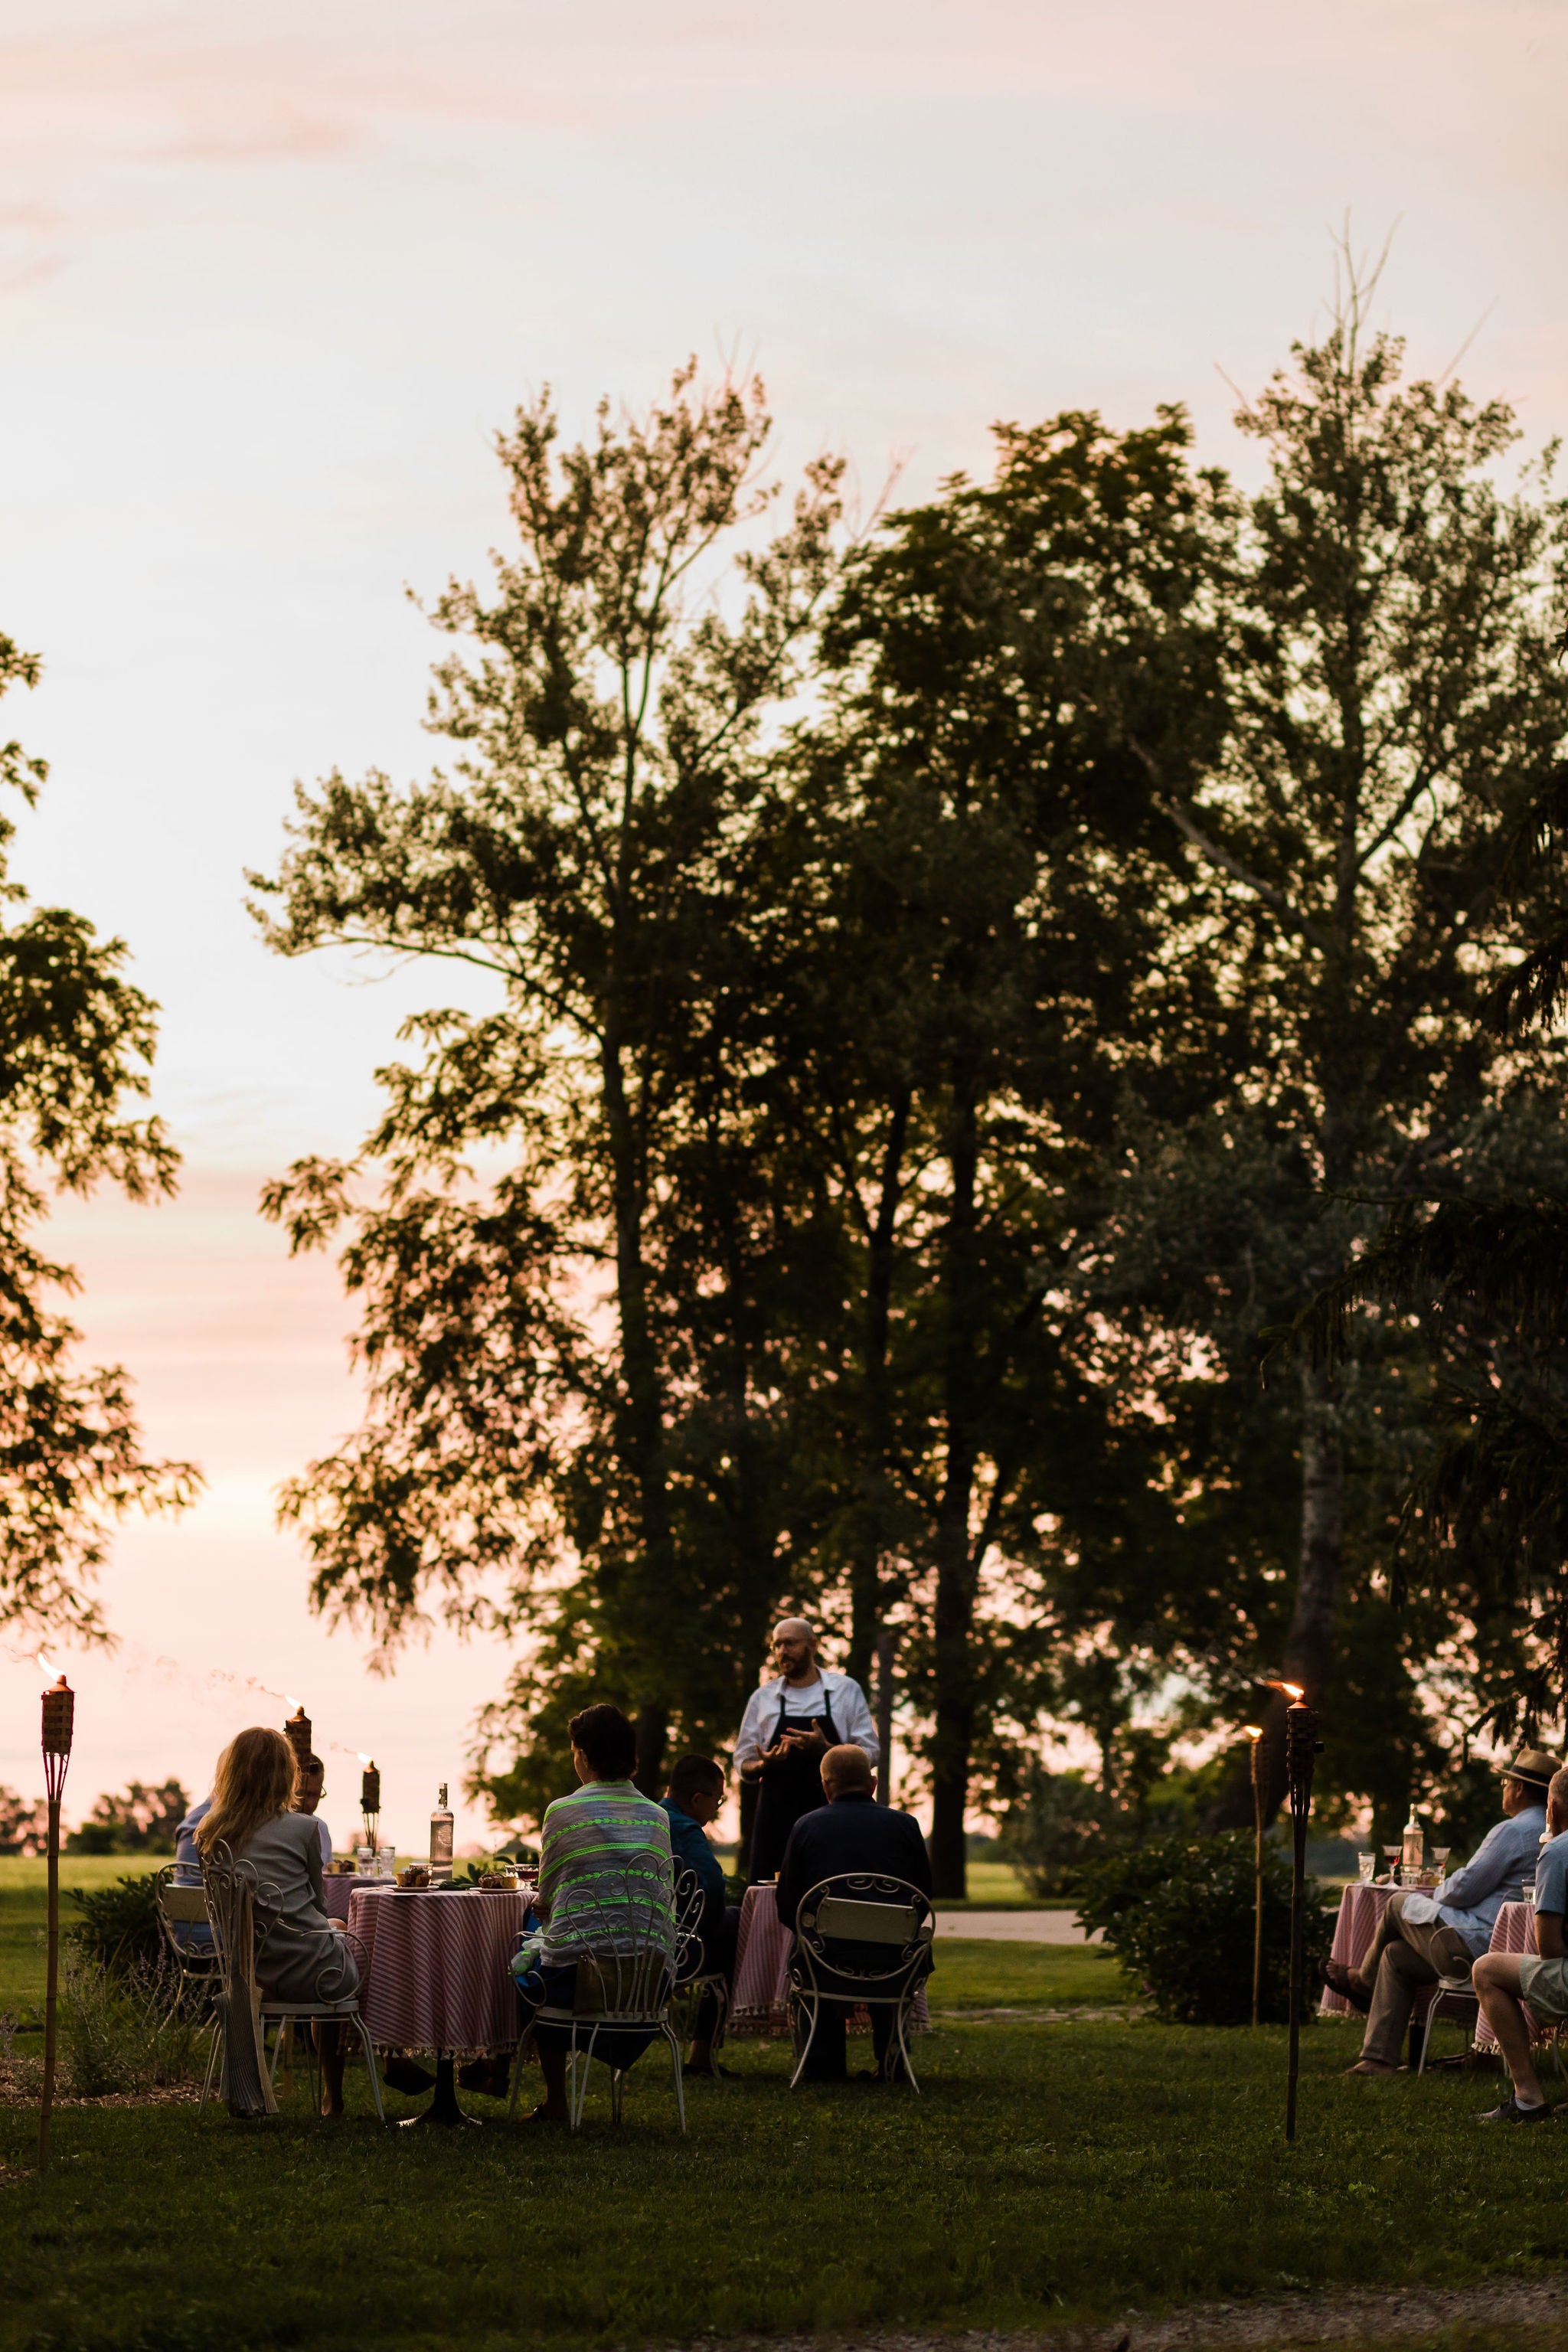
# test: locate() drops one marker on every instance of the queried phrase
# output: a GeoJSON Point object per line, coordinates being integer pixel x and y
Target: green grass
{"type": "Point", "coordinates": [23, 1885]}
{"type": "Point", "coordinates": [995, 1974]}
{"type": "Point", "coordinates": [1049, 2174]}
{"type": "Point", "coordinates": [995, 1886]}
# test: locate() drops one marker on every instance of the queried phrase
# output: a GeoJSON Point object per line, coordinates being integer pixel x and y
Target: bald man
{"type": "Point", "coordinates": [851, 1833]}
{"type": "Point", "coordinates": [788, 1727]}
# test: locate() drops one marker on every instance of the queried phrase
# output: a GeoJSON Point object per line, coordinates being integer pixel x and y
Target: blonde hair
{"type": "Point", "coordinates": [253, 1784]}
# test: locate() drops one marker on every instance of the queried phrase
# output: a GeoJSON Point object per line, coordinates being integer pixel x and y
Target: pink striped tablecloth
{"type": "Point", "coordinates": [438, 1969]}
{"type": "Point", "coordinates": [760, 2001]}
{"type": "Point", "coordinates": [339, 1892]}
{"type": "Point", "coordinates": [1361, 1908]}
{"type": "Point", "coordinates": [1514, 1931]}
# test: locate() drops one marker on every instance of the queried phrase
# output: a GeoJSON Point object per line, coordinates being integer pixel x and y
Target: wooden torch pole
{"type": "Point", "coordinates": [1255, 1733]}
{"type": "Point", "coordinates": [1302, 1745]}
{"type": "Point", "coordinates": [59, 1707]}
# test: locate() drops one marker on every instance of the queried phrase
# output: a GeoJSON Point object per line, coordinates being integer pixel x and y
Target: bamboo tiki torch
{"type": "Point", "coordinates": [370, 1803]}
{"type": "Point", "coordinates": [1301, 1745]}
{"type": "Point", "coordinates": [1255, 1733]}
{"type": "Point", "coordinates": [59, 1708]}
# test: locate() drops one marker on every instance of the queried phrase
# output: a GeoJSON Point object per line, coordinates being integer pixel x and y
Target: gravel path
{"type": "Point", "coordinates": [1384, 2316]}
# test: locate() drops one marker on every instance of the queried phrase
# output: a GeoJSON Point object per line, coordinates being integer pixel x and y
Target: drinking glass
{"type": "Point", "coordinates": [1440, 1857]}
{"type": "Point", "coordinates": [364, 1861]}
{"type": "Point", "coordinates": [1390, 1855]}
{"type": "Point", "coordinates": [1366, 1863]}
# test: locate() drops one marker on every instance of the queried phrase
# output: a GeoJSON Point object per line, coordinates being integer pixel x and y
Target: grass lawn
{"type": "Point", "coordinates": [1050, 2172]}
{"type": "Point", "coordinates": [23, 1885]}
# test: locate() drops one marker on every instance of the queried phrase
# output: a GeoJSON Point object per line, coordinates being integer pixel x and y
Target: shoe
{"type": "Point", "coordinates": [1338, 1978]}
{"type": "Point", "coordinates": [1367, 2067]}
{"type": "Point", "coordinates": [406, 2075]}
{"type": "Point", "coordinates": [1510, 2112]}
{"type": "Point", "coordinates": [538, 2116]}
{"type": "Point", "coordinates": [489, 2076]}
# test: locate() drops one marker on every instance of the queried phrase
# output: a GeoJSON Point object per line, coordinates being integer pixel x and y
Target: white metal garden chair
{"type": "Point", "coordinates": [624, 1975]}
{"type": "Point", "coordinates": [232, 1895]}
{"type": "Point", "coordinates": [690, 1975]}
{"type": "Point", "coordinates": [861, 1942]}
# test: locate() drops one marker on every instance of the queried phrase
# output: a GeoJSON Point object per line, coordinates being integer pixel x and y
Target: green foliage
{"type": "Point", "coordinates": [1061, 1820]}
{"type": "Point", "coordinates": [118, 2033]}
{"type": "Point", "coordinates": [24, 1827]}
{"type": "Point", "coordinates": [1179, 1914]}
{"type": "Point", "coordinates": [116, 1928]}
{"type": "Point", "coordinates": [75, 1042]}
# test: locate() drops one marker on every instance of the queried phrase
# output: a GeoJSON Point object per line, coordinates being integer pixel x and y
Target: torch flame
{"type": "Point", "coordinates": [1297, 1690]}
{"type": "Point", "coordinates": [362, 1757]}
{"type": "Point", "coordinates": [1253, 1731]}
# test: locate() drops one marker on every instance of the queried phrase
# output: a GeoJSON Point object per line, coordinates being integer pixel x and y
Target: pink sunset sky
{"type": "Point", "coordinates": [269, 280]}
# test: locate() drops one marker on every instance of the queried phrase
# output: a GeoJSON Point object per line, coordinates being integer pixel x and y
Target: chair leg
{"type": "Point", "coordinates": [903, 2045]}
{"type": "Point", "coordinates": [1426, 2038]}
{"type": "Point", "coordinates": [680, 2086]}
{"type": "Point", "coordinates": [212, 2063]}
{"type": "Point", "coordinates": [371, 2068]}
{"type": "Point", "coordinates": [813, 2007]}
{"type": "Point", "coordinates": [617, 2092]}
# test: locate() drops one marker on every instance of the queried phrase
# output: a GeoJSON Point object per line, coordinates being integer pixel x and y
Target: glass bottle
{"type": "Point", "coordinates": [1413, 1850]}
{"type": "Point", "coordinates": [441, 1840]}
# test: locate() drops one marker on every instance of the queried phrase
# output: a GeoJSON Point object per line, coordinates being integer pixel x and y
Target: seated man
{"type": "Point", "coordinates": [695, 1794]}
{"type": "Point", "coordinates": [309, 1790]}
{"type": "Point", "coordinates": [604, 1877]}
{"type": "Point", "coordinates": [1539, 1978]}
{"type": "Point", "coordinates": [851, 1833]}
{"type": "Point", "coordinates": [1421, 1938]}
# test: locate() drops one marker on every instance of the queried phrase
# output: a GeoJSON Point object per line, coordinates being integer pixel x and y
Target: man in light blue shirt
{"type": "Point", "coordinates": [1421, 1938]}
{"type": "Point", "coordinates": [1506, 1982]}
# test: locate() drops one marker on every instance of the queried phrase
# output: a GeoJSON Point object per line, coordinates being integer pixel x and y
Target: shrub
{"type": "Point", "coordinates": [1178, 1913]}
{"type": "Point", "coordinates": [120, 2034]}
{"type": "Point", "coordinates": [116, 1928]}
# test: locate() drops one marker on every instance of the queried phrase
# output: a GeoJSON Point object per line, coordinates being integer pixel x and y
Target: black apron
{"type": "Point", "coordinates": [791, 1786]}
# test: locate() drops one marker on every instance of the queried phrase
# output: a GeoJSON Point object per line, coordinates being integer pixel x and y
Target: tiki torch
{"type": "Point", "coordinates": [296, 1732]}
{"type": "Point", "coordinates": [59, 1708]}
{"type": "Point", "coordinates": [370, 1800]}
{"type": "Point", "coordinates": [1302, 1745]}
{"type": "Point", "coordinates": [1255, 1733]}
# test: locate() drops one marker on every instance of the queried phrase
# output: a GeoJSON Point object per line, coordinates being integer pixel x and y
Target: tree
{"type": "Point", "coordinates": [142, 1821]}
{"type": "Point", "coordinates": [1395, 710]}
{"type": "Point", "coordinates": [76, 1040]}
{"type": "Point", "coordinates": [982, 920]}
{"type": "Point", "coordinates": [23, 1826]}
{"type": "Point", "coordinates": [553, 1352]}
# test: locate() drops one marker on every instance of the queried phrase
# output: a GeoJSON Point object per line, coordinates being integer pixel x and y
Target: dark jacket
{"type": "Point", "coordinates": [853, 1833]}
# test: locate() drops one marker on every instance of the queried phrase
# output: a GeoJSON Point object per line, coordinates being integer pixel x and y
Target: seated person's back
{"type": "Point", "coordinates": [850, 1834]}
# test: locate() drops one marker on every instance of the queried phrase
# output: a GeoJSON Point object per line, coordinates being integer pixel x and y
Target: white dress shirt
{"type": "Point", "coordinates": [851, 1715]}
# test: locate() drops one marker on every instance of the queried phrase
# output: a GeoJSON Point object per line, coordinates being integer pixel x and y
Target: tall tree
{"type": "Point", "coordinates": [1395, 710]}
{"type": "Point", "coordinates": [76, 1041]}
{"type": "Point", "coordinates": [587, 856]}
{"type": "Point", "coordinates": [983, 919]}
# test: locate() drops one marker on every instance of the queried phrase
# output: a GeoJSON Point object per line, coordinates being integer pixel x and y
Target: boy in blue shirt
{"type": "Point", "coordinates": [696, 1792]}
{"type": "Point", "coordinates": [1507, 1982]}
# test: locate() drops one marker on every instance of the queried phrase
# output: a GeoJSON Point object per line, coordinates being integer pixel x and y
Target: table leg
{"type": "Point", "coordinates": [443, 2107]}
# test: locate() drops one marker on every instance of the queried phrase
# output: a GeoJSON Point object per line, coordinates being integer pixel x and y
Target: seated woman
{"type": "Point", "coordinates": [604, 1883]}
{"type": "Point", "coordinates": [299, 1955]}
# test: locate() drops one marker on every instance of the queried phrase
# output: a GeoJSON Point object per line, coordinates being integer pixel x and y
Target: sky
{"type": "Point", "coordinates": [269, 282]}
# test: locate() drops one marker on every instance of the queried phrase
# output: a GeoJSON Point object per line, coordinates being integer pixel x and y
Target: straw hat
{"type": "Point", "coordinates": [1531, 1765]}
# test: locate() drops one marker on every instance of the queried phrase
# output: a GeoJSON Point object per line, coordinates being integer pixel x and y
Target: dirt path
{"type": "Point", "coordinates": [1528, 2311]}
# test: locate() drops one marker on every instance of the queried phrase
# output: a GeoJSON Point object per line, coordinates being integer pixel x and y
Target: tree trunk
{"type": "Point", "coordinates": [868, 1595]}
{"type": "Point", "coordinates": [953, 1659]}
{"type": "Point", "coordinates": [653, 1732]}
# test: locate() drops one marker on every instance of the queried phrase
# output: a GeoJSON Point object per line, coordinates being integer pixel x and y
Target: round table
{"type": "Point", "coordinates": [436, 1979]}
{"type": "Point", "coordinates": [1361, 1908]}
{"type": "Point", "coordinates": [338, 1890]}
{"type": "Point", "coordinates": [760, 2001]}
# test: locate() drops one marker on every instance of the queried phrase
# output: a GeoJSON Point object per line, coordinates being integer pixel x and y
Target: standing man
{"type": "Point", "coordinates": [788, 1727]}
{"type": "Point", "coordinates": [1421, 1938]}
